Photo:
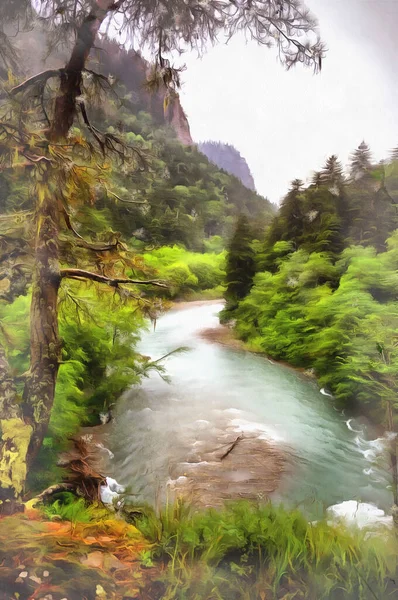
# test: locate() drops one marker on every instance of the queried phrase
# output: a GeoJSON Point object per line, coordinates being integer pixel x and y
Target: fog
{"type": "Point", "coordinates": [286, 123]}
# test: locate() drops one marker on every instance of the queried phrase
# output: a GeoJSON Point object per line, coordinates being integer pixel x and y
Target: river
{"type": "Point", "coordinates": [160, 429]}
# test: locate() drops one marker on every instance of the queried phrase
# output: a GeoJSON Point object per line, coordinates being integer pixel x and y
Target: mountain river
{"type": "Point", "coordinates": [170, 436]}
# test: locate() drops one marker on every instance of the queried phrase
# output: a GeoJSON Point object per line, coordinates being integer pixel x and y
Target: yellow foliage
{"type": "Point", "coordinates": [16, 437]}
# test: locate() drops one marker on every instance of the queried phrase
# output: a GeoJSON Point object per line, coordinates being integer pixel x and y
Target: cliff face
{"type": "Point", "coordinates": [127, 67]}
{"type": "Point", "coordinates": [177, 118]}
{"type": "Point", "coordinates": [228, 158]}
{"type": "Point", "coordinates": [131, 69]}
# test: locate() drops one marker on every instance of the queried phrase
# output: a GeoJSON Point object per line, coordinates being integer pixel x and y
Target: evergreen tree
{"type": "Point", "coordinates": [332, 174]}
{"type": "Point", "coordinates": [361, 161]}
{"type": "Point", "coordinates": [394, 154]}
{"type": "Point", "coordinates": [240, 267]}
{"type": "Point", "coordinates": [316, 179]}
{"type": "Point", "coordinates": [291, 212]}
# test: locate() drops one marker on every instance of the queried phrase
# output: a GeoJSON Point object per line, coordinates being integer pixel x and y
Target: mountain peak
{"type": "Point", "coordinates": [228, 158]}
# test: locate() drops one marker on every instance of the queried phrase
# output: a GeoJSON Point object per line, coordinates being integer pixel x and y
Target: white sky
{"type": "Point", "coordinates": [286, 123]}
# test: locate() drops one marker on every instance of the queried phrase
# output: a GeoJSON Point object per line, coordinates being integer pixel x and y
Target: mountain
{"type": "Point", "coordinates": [131, 69]}
{"type": "Point", "coordinates": [228, 158]}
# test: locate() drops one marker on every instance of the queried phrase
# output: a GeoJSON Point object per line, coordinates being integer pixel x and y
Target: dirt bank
{"type": "Point", "coordinates": [222, 335]}
{"type": "Point", "coordinates": [180, 304]}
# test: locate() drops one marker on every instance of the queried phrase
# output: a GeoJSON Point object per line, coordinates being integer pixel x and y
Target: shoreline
{"type": "Point", "coordinates": [182, 304]}
{"type": "Point", "coordinates": [224, 336]}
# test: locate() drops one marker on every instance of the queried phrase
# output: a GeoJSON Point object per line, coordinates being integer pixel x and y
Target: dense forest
{"type": "Point", "coordinates": [109, 213]}
{"type": "Point", "coordinates": [320, 291]}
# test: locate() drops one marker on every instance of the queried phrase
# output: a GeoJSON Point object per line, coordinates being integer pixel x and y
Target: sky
{"type": "Point", "coordinates": [286, 124]}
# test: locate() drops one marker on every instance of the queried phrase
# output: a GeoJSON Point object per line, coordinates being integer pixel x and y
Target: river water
{"type": "Point", "coordinates": [159, 427]}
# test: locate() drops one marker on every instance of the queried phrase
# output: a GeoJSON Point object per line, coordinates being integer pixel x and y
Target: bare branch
{"type": "Point", "coordinates": [125, 201]}
{"type": "Point", "coordinates": [84, 243]}
{"type": "Point", "coordinates": [39, 78]}
{"type": "Point", "coordinates": [113, 282]}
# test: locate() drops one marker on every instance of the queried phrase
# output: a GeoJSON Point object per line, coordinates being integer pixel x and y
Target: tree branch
{"type": "Point", "coordinates": [40, 77]}
{"type": "Point", "coordinates": [83, 243]}
{"type": "Point", "coordinates": [125, 201]}
{"type": "Point", "coordinates": [71, 79]}
{"type": "Point", "coordinates": [113, 282]}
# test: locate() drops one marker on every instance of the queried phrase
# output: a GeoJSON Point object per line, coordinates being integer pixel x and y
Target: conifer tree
{"type": "Point", "coordinates": [394, 154]}
{"type": "Point", "coordinates": [292, 213]}
{"type": "Point", "coordinates": [316, 179]}
{"type": "Point", "coordinates": [240, 267]}
{"type": "Point", "coordinates": [361, 161]}
{"type": "Point", "coordinates": [332, 174]}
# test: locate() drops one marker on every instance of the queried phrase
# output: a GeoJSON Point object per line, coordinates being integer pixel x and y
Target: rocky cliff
{"type": "Point", "coordinates": [127, 67]}
{"type": "Point", "coordinates": [131, 69]}
{"type": "Point", "coordinates": [228, 158]}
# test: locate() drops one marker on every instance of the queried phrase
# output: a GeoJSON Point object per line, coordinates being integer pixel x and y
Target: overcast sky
{"type": "Point", "coordinates": [286, 123]}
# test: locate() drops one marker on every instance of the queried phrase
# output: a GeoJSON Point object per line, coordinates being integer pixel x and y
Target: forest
{"type": "Point", "coordinates": [113, 220]}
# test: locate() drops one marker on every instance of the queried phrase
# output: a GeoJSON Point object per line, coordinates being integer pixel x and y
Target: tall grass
{"type": "Point", "coordinates": [246, 551]}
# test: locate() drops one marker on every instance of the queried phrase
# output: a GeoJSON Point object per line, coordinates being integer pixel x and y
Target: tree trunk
{"type": "Point", "coordinates": [15, 434]}
{"type": "Point", "coordinates": [23, 427]}
{"type": "Point", "coordinates": [394, 462]}
{"type": "Point", "coordinates": [45, 344]}
{"type": "Point", "coordinates": [70, 88]}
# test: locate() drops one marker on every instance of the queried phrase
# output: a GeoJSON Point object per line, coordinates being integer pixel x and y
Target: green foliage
{"type": "Point", "coordinates": [99, 333]}
{"type": "Point", "coordinates": [76, 510]}
{"type": "Point", "coordinates": [247, 550]}
{"type": "Point", "coordinates": [187, 272]}
{"type": "Point", "coordinates": [240, 266]}
{"type": "Point", "coordinates": [332, 317]}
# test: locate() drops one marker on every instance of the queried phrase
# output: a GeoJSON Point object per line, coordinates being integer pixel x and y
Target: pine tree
{"type": "Point", "coordinates": [361, 161]}
{"type": "Point", "coordinates": [316, 179]}
{"type": "Point", "coordinates": [240, 267]}
{"type": "Point", "coordinates": [291, 212]}
{"type": "Point", "coordinates": [332, 174]}
{"type": "Point", "coordinates": [394, 154]}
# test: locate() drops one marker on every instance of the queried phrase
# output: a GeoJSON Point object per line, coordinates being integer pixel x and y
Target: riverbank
{"type": "Point", "coordinates": [182, 304]}
{"type": "Point", "coordinates": [224, 335]}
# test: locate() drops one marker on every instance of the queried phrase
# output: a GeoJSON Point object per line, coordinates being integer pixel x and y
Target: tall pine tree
{"type": "Point", "coordinates": [361, 161]}
{"type": "Point", "coordinates": [240, 267]}
{"type": "Point", "coordinates": [332, 175]}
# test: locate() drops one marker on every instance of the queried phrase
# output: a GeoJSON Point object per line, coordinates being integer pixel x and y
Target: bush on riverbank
{"type": "Point", "coordinates": [190, 275]}
{"type": "Point", "coordinates": [339, 318]}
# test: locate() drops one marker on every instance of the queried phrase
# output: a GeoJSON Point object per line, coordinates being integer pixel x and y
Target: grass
{"type": "Point", "coordinates": [246, 551]}
{"type": "Point", "coordinates": [68, 508]}
{"type": "Point", "coordinates": [242, 552]}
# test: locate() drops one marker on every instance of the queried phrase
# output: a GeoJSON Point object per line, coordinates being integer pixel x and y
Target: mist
{"type": "Point", "coordinates": [287, 123]}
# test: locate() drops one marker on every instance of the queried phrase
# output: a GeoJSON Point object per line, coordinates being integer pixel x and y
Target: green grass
{"type": "Point", "coordinates": [244, 551]}
{"type": "Point", "coordinates": [76, 510]}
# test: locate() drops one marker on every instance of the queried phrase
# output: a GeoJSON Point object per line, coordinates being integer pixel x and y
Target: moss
{"type": "Point", "coordinates": [15, 437]}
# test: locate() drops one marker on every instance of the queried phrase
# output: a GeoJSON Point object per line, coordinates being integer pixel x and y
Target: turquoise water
{"type": "Point", "coordinates": [158, 425]}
